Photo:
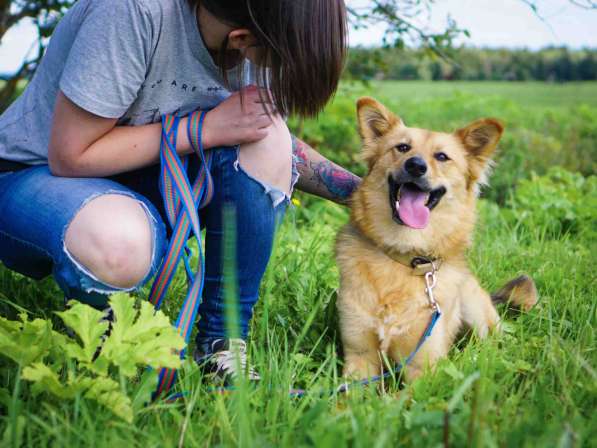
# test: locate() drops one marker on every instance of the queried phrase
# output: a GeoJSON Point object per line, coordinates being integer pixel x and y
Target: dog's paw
{"type": "Point", "coordinates": [359, 367]}
{"type": "Point", "coordinates": [412, 373]}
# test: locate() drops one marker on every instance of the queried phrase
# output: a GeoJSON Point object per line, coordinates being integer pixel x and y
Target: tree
{"type": "Point", "coordinates": [45, 15]}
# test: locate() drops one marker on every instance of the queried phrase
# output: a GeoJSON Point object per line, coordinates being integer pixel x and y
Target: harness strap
{"type": "Point", "coordinates": [181, 202]}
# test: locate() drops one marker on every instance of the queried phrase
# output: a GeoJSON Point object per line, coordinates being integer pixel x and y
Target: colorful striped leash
{"type": "Point", "coordinates": [182, 203]}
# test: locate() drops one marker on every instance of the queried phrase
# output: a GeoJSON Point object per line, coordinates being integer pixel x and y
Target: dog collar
{"type": "Point", "coordinates": [420, 264]}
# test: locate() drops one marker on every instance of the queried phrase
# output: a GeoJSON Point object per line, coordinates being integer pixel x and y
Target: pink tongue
{"type": "Point", "coordinates": [411, 208]}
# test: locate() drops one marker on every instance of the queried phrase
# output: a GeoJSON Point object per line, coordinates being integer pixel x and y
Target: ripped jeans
{"type": "Point", "coordinates": [36, 209]}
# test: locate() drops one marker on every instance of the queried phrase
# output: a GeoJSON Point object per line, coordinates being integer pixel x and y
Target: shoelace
{"type": "Point", "coordinates": [226, 360]}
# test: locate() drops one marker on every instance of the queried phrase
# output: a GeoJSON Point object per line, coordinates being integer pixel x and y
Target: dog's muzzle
{"type": "Point", "coordinates": [412, 198]}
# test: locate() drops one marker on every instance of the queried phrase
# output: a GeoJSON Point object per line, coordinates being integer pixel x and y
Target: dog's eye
{"type": "Point", "coordinates": [441, 156]}
{"type": "Point", "coordinates": [403, 147]}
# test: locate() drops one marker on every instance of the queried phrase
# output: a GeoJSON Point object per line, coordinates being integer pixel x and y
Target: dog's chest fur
{"type": "Point", "coordinates": [393, 303]}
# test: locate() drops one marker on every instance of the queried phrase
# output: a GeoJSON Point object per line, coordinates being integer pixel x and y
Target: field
{"type": "Point", "coordinates": [533, 385]}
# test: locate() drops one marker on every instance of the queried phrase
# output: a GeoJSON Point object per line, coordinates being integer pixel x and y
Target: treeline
{"type": "Point", "coordinates": [470, 64]}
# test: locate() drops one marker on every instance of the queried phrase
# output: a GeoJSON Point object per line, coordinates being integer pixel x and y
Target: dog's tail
{"type": "Point", "coordinates": [519, 293]}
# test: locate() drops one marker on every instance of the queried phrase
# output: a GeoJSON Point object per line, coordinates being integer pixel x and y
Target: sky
{"type": "Point", "coordinates": [492, 23]}
{"type": "Point", "coordinates": [506, 23]}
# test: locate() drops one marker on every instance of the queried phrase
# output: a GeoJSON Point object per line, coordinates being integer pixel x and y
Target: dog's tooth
{"type": "Point", "coordinates": [427, 196]}
{"type": "Point", "coordinates": [397, 205]}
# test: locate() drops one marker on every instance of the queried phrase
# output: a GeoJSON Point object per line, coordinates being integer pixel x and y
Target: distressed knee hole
{"type": "Point", "coordinates": [270, 160]}
{"type": "Point", "coordinates": [111, 239]}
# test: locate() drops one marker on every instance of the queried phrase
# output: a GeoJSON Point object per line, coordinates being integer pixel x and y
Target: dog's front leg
{"type": "Point", "coordinates": [360, 343]}
{"type": "Point", "coordinates": [478, 312]}
{"type": "Point", "coordinates": [435, 347]}
{"type": "Point", "coordinates": [359, 361]}
{"type": "Point", "coordinates": [360, 365]}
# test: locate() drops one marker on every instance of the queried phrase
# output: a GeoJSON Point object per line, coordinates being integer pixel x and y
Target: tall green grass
{"type": "Point", "coordinates": [533, 385]}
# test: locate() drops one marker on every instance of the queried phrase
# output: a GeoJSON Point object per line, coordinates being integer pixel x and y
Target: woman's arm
{"type": "Point", "coordinates": [321, 177]}
{"type": "Point", "coordinates": [85, 145]}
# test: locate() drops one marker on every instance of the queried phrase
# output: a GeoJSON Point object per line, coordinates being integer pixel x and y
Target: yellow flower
{"type": "Point", "coordinates": [296, 202]}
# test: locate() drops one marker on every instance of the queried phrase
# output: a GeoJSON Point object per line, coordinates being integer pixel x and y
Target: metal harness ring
{"type": "Point", "coordinates": [430, 283]}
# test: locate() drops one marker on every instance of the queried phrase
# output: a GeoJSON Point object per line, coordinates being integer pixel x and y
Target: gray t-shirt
{"type": "Point", "coordinates": [134, 60]}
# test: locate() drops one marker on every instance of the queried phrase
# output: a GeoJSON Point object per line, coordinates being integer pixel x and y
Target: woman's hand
{"type": "Point", "coordinates": [234, 122]}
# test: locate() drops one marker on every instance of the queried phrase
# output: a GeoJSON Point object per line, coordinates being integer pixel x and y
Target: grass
{"type": "Point", "coordinates": [533, 385]}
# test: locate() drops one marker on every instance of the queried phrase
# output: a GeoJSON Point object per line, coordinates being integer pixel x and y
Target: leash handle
{"type": "Point", "coordinates": [182, 202]}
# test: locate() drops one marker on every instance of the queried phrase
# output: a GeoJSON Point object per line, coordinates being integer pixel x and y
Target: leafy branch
{"type": "Point", "coordinates": [399, 17]}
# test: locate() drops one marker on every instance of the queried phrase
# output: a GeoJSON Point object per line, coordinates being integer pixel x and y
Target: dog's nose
{"type": "Point", "coordinates": [415, 166]}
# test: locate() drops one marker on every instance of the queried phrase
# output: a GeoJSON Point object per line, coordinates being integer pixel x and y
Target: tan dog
{"type": "Point", "coordinates": [417, 204]}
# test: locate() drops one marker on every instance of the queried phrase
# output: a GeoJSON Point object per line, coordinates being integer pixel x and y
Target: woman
{"type": "Point", "coordinates": [79, 189]}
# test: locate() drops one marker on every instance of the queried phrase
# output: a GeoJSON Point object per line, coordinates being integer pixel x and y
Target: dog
{"type": "Point", "coordinates": [402, 255]}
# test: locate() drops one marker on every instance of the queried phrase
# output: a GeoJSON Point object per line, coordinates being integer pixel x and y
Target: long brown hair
{"type": "Point", "coordinates": [303, 47]}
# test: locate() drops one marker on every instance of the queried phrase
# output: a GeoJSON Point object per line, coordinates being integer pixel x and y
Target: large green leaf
{"type": "Point", "coordinates": [44, 379]}
{"type": "Point", "coordinates": [26, 342]}
{"type": "Point", "coordinates": [87, 323]}
{"type": "Point", "coordinates": [102, 390]}
{"type": "Point", "coordinates": [107, 392]}
{"type": "Point", "coordinates": [143, 338]}
{"type": "Point", "coordinates": [140, 337]}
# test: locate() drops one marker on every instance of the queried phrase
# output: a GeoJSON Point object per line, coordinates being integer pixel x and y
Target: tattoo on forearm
{"type": "Point", "coordinates": [338, 181]}
{"type": "Point", "coordinates": [298, 148]}
{"type": "Point", "coordinates": [329, 179]}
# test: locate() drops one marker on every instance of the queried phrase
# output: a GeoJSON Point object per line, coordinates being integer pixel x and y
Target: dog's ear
{"type": "Point", "coordinates": [480, 139]}
{"type": "Point", "coordinates": [374, 122]}
{"type": "Point", "coordinates": [374, 119]}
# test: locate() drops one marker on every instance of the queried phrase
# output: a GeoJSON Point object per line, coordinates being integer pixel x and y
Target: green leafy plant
{"type": "Point", "coordinates": [70, 367]}
{"type": "Point", "coordinates": [555, 204]}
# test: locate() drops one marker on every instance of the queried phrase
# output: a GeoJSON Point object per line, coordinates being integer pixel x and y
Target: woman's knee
{"type": "Point", "coordinates": [111, 237]}
{"type": "Point", "coordinates": [270, 160]}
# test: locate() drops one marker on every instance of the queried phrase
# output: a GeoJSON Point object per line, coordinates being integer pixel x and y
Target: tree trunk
{"type": "Point", "coordinates": [4, 16]}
